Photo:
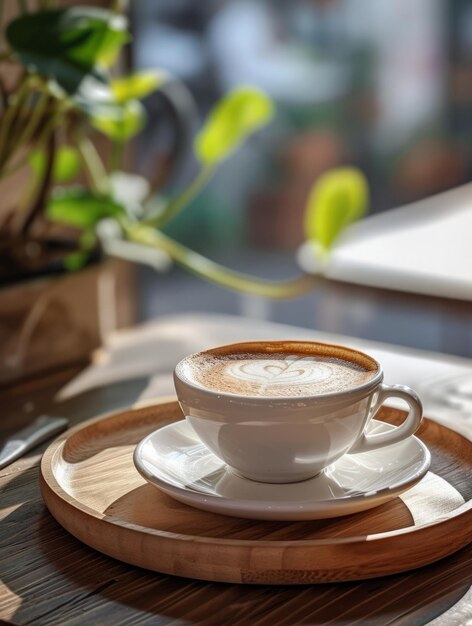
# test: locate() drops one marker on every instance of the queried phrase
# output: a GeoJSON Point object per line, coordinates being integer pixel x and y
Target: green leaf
{"type": "Point", "coordinates": [68, 44]}
{"type": "Point", "coordinates": [119, 122]}
{"type": "Point", "coordinates": [66, 163]}
{"type": "Point", "coordinates": [80, 208]}
{"type": "Point", "coordinates": [76, 260]}
{"type": "Point", "coordinates": [113, 40]}
{"type": "Point", "coordinates": [337, 199]}
{"type": "Point", "coordinates": [138, 85]}
{"type": "Point", "coordinates": [236, 116]}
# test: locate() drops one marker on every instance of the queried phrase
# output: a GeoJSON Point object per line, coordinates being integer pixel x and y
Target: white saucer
{"type": "Point", "coordinates": [175, 460]}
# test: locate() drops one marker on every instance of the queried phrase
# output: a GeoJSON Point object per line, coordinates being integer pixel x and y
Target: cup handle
{"type": "Point", "coordinates": [407, 428]}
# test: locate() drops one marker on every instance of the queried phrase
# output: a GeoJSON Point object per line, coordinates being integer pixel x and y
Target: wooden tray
{"type": "Point", "coordinates": [91, 487]}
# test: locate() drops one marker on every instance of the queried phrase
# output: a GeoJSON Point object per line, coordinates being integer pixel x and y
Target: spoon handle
{"type": "Point", "coordinates": [24, 440]}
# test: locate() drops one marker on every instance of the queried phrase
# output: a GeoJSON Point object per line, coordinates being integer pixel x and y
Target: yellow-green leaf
{"type": "Point", "coordinates": [66, 163]}
{"type": "Point", "coordinates": [137, 85]}
{"type": "Point", "coordinates": [113, 41]}
{"type": "Point", "coordinates": [338, 198]}
{"type": "Point", "coordinates": [120, 122]}
{"type": "Point", "coordinates": [237, 115]}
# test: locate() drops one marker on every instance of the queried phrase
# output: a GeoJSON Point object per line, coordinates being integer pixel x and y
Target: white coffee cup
{"type": "Point", "coordinates": [288, 439]}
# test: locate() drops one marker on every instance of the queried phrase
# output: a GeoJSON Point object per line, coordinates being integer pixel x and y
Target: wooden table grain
{"type": "Point", "coordinates": [48, 577]}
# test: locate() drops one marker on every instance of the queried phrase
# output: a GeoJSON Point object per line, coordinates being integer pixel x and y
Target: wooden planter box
{"type": "Point", "coordinates": [51, 322]}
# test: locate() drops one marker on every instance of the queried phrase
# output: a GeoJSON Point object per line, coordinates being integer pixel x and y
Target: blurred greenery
{"type": "Point", "coordinates": [68, 44]}
{"type": "Point", "coordinates": [65, 96]}
{"type": "Point", "coordinates": [66, 163]}
{"type": "Point", "coordinates": [77, 206]}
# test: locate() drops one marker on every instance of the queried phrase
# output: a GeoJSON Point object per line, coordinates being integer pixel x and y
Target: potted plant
{"type": "Point", "coordinates": [66, 121]}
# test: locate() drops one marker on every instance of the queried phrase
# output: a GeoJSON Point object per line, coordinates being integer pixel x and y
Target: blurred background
{"type": "Point", "coordinates": [383, 85]}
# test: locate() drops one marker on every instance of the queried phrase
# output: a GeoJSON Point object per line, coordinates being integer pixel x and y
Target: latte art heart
{"type": "Point", "coordinates": [272, 373]}
{"type": "Point", "coordinates": [293, 369]}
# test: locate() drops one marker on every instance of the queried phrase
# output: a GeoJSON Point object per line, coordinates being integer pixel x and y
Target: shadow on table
{"type": "Point", "coordinates": [59, 580]}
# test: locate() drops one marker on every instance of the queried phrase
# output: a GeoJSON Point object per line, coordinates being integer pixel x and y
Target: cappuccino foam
{"type": "Point", "coordinates": [274, 374]}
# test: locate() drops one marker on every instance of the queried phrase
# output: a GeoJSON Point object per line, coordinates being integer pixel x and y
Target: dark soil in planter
{"type": "Point", "coordinates": [22, 260]}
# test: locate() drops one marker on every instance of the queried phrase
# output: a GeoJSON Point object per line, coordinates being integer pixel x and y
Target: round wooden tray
{"type": "Point", "coordinates": [90, 485]}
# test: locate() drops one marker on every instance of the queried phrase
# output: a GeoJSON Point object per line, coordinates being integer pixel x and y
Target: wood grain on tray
{"type": "Point", "coordinates": [90, 485]}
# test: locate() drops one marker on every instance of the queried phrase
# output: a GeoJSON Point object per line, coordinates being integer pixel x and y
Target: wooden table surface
{"type": "Point", "coordinates": [48, 577]}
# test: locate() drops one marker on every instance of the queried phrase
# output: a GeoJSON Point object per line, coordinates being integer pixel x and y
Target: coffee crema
{"type": "Point", "coordinates": [278, 369]}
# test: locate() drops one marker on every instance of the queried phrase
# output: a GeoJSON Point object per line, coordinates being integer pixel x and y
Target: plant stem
{"type": "Point", "coordinates": [41, 198]}
{"type": "Point", "coordinates": [42, 141]}
{"type": "Point", "coordinates": [9, 116]}
{"type": "Point", "coordinates": [3, 95]}
{"type": "Point", "coordinates": [31, 126]}
{"type": "Point", "coordinates": [21, 106]}
{"type": "Point", "coordinates": [116, 156]}
{"type": "Point", "coordinates": [93, 164]}
{"type": "Point", "coordinates": [175, 206]}
{"type": "Point", "coordinates": [205, 268]}
{"type": "Point", "coordinates": [54, 120]}
{"type": "Point", "coordinates": [119, 6]}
